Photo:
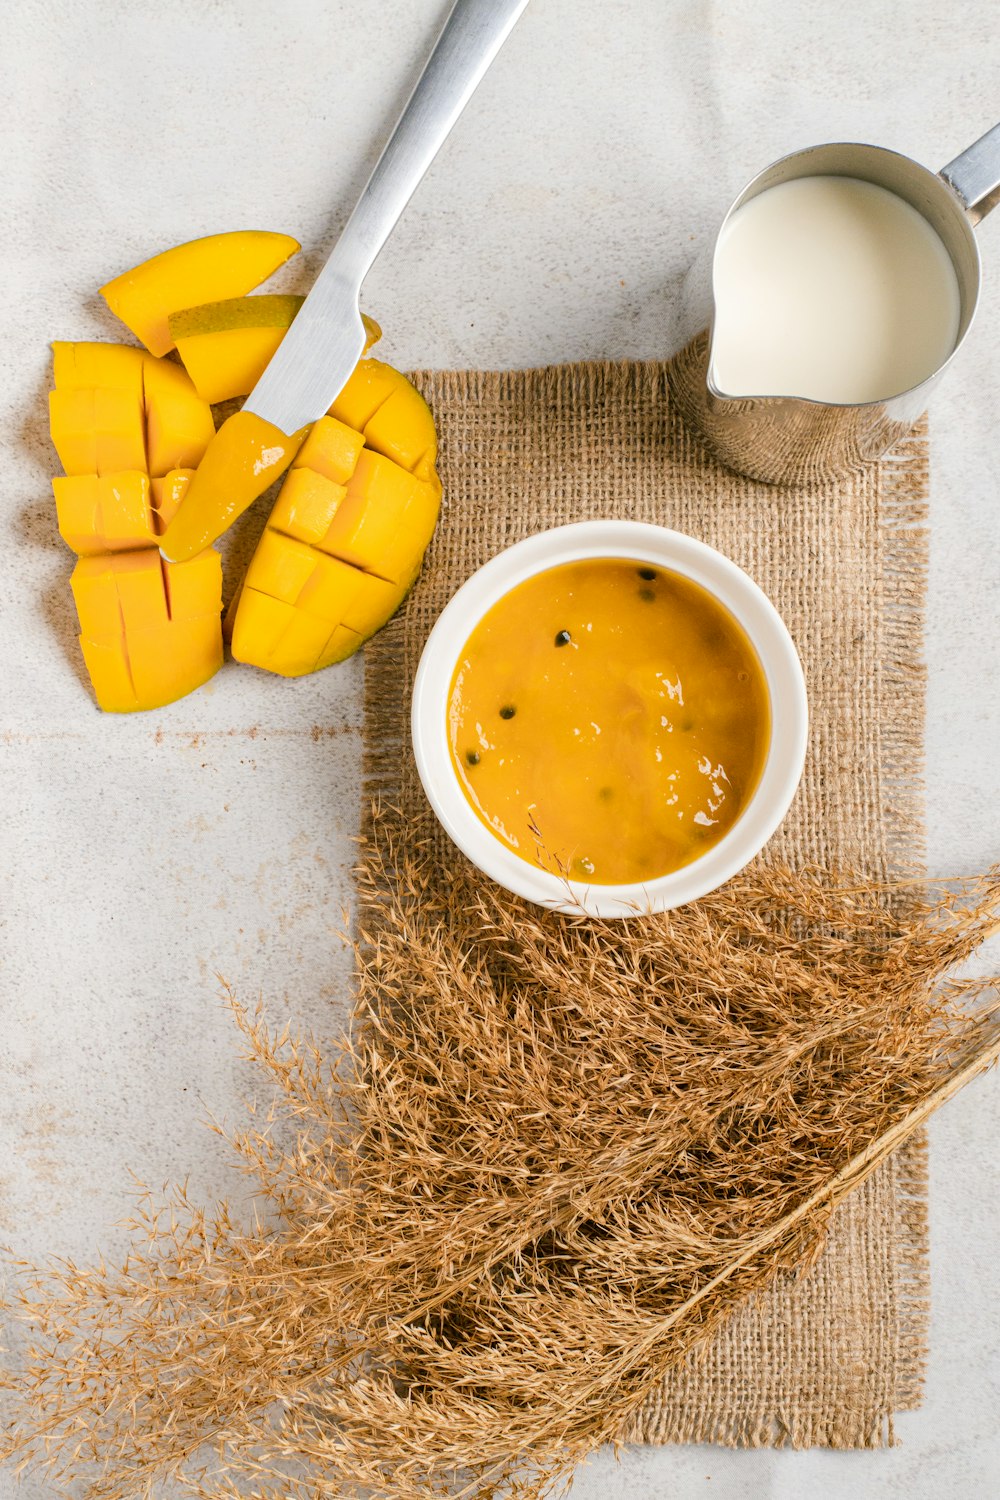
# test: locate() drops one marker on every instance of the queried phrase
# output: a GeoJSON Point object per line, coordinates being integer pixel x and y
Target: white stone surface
{"type": "Point", "coordinates": [143, 857]}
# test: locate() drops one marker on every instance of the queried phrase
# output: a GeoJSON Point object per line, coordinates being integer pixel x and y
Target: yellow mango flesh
{"type": "Point", "coordinates": [86, 364]}
{"type": "Point", "coordinates": [166, 494]}
{"type": "Point", "coordinates": [149, 629]}
{"type": "Point", "coordinates": [116, 512]}
{"type": "Point", "coordinates": [387, 516]}
{"type": "Point", "coordinates": [99, 388]}
{"type": "Point", "coordinates": [331, 450]}
{"type": "Point", "coordinates": [246, 455]}
{"type": "Point", "coordinates": [97, 431]}
{"type": "Point", "coordinates": [105, 512]}
{"type": "Point", "coordinates": [205, 270]}
{"type": "Point", "coordinates": [179, 423]}
{"type": "Point", "coordinates": [344, 542]}
{"type": "Point", "coordinates": [225, 346]}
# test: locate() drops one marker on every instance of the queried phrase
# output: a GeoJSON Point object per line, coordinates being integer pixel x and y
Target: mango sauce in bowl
{"type": "Point", "coordinates": [609, 718]}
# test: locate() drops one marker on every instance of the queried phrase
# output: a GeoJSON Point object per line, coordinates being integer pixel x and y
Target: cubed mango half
{"type": "Point", "coordinates": [343, 544]}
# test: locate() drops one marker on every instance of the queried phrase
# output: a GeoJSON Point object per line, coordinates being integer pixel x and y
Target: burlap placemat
{"type": "Point", "coordinates": [825, 1358]}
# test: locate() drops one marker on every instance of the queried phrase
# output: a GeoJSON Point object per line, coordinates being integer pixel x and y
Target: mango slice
{"type": "Point", "coordinates": [344, 542]}
{"type": "Point", "coordinates": [226, 346]}
{"type": "Point", "coordinates": [246, 455]}
{"type": "Point", "coordinates": [149, 630]}
{"type": "Point", "coordinates": [204, 270]}
{"type": "Point", "coordinates": [97, 430]}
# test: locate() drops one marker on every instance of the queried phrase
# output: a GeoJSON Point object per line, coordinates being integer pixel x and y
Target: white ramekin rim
{"type": "Point", "coordinates": [639, 542]}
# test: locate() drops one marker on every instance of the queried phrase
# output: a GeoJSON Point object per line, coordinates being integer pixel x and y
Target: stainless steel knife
{"type": "Point", "coordinates": [325, 342]}
{"type": "Point", "coordinates": [321, 348]}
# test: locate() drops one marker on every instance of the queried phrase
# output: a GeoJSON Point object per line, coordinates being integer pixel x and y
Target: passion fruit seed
{"type": "Point", "coordinates": [508, 711]}
{"type": "Point", "coordinates": [606, 793]}
{"type": "Point", "coordinates": [472, 757]}
{"type": "Point", "coordinates": [687, 725]}
{"type": "Point", "coordinates": [648, 574]}
{"type": "Point", "coordinates": [647, 595]}
{"type": "Point", "coordinates": [563, 638]}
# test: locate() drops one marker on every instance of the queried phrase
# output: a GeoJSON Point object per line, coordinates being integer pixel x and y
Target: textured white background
{"type": "Point", "coordinates": [143, 857]}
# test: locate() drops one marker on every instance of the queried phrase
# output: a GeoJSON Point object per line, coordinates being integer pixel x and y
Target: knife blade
{"type": "Point", "coordinates": [324, 343]}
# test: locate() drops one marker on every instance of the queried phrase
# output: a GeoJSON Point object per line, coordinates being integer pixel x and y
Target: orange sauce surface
{"type": "Point", "coordinates": [608, 720]}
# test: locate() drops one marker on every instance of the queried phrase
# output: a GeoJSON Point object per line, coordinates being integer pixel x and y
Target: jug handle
{"type": "Point", "coordinates": [975, 175]}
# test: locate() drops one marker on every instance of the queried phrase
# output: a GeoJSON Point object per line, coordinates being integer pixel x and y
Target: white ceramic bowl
{"type": "Point", "coordinates": [645, 544]}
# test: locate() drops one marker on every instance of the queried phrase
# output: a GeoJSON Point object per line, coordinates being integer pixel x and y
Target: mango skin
{"type": "Point", "coordinates": [204, 270]}
{"type": "Point", "coordinates": [225, 346]}
{"type": "Point", "coordinates": [345, 540]}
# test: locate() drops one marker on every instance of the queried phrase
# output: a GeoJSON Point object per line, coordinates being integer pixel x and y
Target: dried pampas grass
{"type": "Point", "coordinates": [553, 1157]}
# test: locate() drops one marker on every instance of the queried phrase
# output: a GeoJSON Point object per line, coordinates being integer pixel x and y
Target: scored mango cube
{"type": "Point", "coordinates": [150, 630]}
{"type": "Point", "coordinates": [119, 590]}
{"type": "Point", "coordinates": [402, 429]}
{"type": "Point", "coordinates": [179, 424]}
{"type": "Point", "coordinates": [306, 506]}
{"type": "Point", "coordinates": [331, 449]}
{"type": "Point", "coordinates": [343, 643]}
{"type": "Point", "coordinates": [113, 366]}
{"type": "Point", "coordinates": [97, 430]}
{"type": "Point", "coordinates": [386, 516]}
{"type": "Point", "coordinates": [281, 567]}
{"type": "Point", "coordinates": [375, 601]}
{"type": "Point", "coordinates": [277, 636]}
{"type": "Point", "coordinates": [347, 534]}
{"type": "Point", "coordinates": [104, 512]}
{"type": "Point", "coordinates": [110, 676]}
{"type": "Point", "coordinates": [370, 384]}
{"type": "Point", "coordinates": [170, 661]}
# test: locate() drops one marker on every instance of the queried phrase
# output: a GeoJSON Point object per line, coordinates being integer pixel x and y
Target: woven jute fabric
{"type": "Point", "coordinates": [827, 1357]}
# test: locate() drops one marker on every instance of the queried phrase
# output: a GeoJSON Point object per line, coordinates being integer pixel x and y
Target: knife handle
{"type": "Point", "coordinates": [472, 36]}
